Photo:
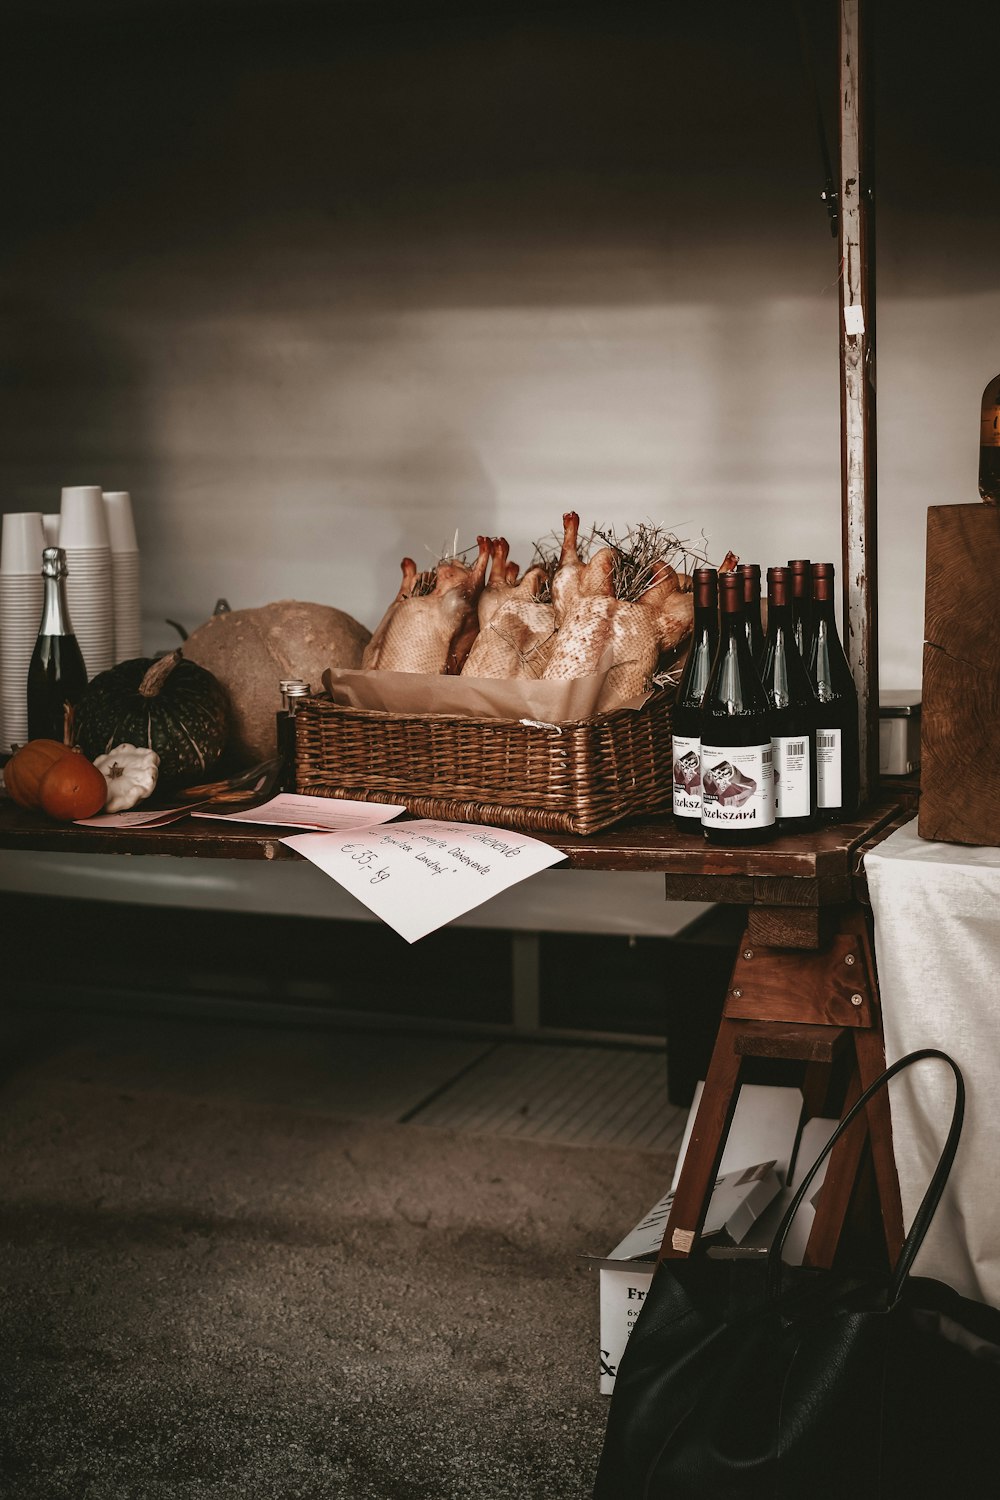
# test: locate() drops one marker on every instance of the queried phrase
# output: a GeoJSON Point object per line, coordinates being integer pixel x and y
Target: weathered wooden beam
{"type": "Point", "coordinates": [856, 230]}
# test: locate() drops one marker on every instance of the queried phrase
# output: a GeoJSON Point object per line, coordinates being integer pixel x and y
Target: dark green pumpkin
{"type": "Point", "coordinates": [168, 704]}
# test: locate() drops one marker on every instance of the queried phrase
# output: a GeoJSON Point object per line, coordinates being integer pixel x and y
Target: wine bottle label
{"type": "Point", "coordinates": [829, 784]}
{"type": "Point", "coordinates": [989, 427]}
{"type": "Point", "coordinates": [791, 776]}
{"type": "Point", "coordinates": [737, 785]}
{"type": "Point", "coordinates": [687, 777]}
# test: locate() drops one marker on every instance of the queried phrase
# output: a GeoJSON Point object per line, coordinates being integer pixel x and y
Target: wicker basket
{"type": "Point", "coordinates": [570, 778]}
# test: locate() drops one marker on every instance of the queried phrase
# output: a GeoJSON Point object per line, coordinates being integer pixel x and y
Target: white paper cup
{"type": "Point", "coordinates": [121, 523]}
{"type": "Point", "coordinates": [50, 525]}
{"type": "Point", "coordinates": [88, 599]}
{"type": "Point", "coordinates": [23, 542]}
{"type": "Point", "coordinates": [83, 518]}
{"type": "Point", "coordinates": [125, 597]}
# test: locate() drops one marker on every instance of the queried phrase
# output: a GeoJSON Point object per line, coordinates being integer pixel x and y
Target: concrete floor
{"type": "Point", "coordinates": [229, 1272]}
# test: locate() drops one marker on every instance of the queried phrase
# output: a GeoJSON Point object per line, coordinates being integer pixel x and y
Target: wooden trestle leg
{"type": "Point", "coordinates": [811, 1007]}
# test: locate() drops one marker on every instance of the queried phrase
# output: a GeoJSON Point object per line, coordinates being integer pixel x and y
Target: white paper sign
{"type": "Point", "coordinates": [290, 810]}
{"type": "Point", "coordinates": [854, 318]}
{"type": "Point", "coordinates": [420, 875]}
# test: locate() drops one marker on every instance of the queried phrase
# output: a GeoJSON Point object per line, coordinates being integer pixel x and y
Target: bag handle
{"type": "Point", "coordinates": [932, 1197]}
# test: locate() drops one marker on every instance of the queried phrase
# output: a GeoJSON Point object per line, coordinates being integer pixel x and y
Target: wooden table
{"type": "Point", "coordinates": [789, 885]}
{"type": "Point", "coordinates": [803, 987]}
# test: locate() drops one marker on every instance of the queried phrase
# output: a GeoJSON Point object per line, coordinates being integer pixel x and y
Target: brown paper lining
{"type": "Point", "coordinates": [476, 697]}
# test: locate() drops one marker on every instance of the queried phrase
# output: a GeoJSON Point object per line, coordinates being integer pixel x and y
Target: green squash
{"type": "Point", "coordinates": [171, 705]}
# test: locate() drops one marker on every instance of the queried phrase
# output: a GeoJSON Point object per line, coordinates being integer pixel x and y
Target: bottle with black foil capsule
{"type": "Point", "coordinates": [793, 712]}
{"type": "Point", "coordinates": [737, 785]}
{"type": "Point", "coordinates": [57, 675]}
{"type": "Point", "coordinates": [800, 569]}
{"type": "Point", "coordinates": [685, 716]}
{"type": "Point", "coordinates": [750, 573]}
{"type": "Point", "coordinates": [838, 770]}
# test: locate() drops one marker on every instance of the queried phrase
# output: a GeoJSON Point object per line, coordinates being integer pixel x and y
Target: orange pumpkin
{"type": "Point", "coordinates": [71, 788]}
{"type": "Point", "coordinates": [24, 771]}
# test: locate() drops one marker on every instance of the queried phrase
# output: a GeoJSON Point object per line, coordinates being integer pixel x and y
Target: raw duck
{"type": "Point", "coordinates": [599, 631]}
{"type": "Point", "coordinates": [432, 622]}
{"type": "Point", "coordinates": [517, 635]}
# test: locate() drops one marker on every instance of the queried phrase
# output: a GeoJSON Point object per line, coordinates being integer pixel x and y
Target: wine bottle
{"type": "Point", "coordinates": [801, 571]}
{"type": "Point", "coordinates": [838, 770]}
{"type": "Point", "coordinates": [686, 712]}
{"type": "Point", "coordinates": [989, 443]}
{"type": "Point", "coordinates": [737, 787]}
{"type": "Point", "coordinates": [56, 673]}
{"type": "Point", "coordinates": [750, 573]}
{"type": "Point", "coordinates": [793, 711]}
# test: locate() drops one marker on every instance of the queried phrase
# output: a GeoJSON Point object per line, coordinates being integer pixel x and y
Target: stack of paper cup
{"type": "Point", "coordinates": [21, 591]}
{"type": "Point", "coordinates": [83, 534]}
{"type": "Point", "coordinates": [50, 525]}
{"type": "Point", "coordinates": [124, 575]}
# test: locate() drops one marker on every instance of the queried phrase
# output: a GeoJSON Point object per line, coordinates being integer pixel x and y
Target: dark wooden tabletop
{"type": "Point", "coordinates": [806, 870]}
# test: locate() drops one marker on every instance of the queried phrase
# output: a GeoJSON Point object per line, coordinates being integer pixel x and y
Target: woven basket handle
{"type": "Point", "coordinates": [932, 1197]}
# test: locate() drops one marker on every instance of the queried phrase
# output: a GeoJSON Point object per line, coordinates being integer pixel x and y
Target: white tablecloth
{"type": "Point", "coordinates": [937, 946]}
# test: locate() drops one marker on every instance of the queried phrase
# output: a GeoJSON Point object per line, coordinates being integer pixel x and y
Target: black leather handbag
{"type": "Point", "coordinates": [744, 1380]}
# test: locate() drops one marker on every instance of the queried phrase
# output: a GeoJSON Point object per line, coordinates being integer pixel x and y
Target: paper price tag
{"type": "Point", "coordinates": [854, 318]}
{"type": "Point", "coordinates": [419, 876]}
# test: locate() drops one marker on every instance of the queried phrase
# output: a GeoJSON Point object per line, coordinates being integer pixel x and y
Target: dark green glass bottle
{"type": "Point", "coordinates": [685, 716]}
{"type": "Point", "coordinates": [838, 760]}
{"type": "Point", "coordinates": [793, 711]}
{"type": "Point", "coordinates": [737, 784]}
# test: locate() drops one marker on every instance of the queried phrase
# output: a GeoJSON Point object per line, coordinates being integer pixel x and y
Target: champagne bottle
{"type": "Point", "coordinates": [801, 571]}
{"type": "Point", "coordinates": [838, 770]}
{"type": "Point", "coordinates": [56, 673]}
{"type": "Point", "coordinates": [989, 443]}
{"type": "Point", "coordinates": [793, 711]}
{"type": "Point", "coordinates": [736, 782]}
{"type": "Point", "coordinates": [686, 713]}
{"type": "Point", "coordinates": [750, 573]}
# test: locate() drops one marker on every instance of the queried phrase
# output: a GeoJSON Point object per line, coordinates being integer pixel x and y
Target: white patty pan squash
{"type": "Point", "coordinates": [131, 772]}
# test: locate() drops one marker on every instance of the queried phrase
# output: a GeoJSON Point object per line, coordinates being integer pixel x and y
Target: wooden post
{"type": "Point", "coordinates": [856, 231]}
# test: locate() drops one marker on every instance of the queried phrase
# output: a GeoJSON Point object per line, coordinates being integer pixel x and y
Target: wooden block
{"type": "Point", "coordinates": [831, 988]}
{"type": "Point", "coordinates": [790, 926]}
{"type": "Point", "coordinates": [960, 715]}
{"type": "Point", "coordinates": [812, 1044]}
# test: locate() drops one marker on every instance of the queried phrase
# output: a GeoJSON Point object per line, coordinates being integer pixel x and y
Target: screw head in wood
{"type": "Point", "coordinates": [748, 953]}
{"type": "Point", "coordinates": [849, 958]}
{"type": "Point", "coordinates": [857, 999]}
{"type": "Point", "coordinates": [737, 994]}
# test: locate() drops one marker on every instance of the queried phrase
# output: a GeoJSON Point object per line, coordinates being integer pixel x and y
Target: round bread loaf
{"type": "Point", "coordinates": [250, 650]}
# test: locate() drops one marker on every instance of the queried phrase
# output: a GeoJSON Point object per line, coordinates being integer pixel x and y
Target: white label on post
{"type": "Point", "coordinates": [854, 318]}
{"type": "Point", "coordinates": [687, 777]}
{"type": "Point", "coordinates": [737, 784]}
{"type": "Point", "coordinates": [791, 776]}
{"type": "Point", "coordinates": [828, 773]}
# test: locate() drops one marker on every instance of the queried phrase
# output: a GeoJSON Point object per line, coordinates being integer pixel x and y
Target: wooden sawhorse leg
{"type": "Point", "coordinates": [808, 1006]}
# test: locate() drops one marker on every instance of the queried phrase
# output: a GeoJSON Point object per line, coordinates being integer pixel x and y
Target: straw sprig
{"type": "Point", "coordinates": [640, 553]}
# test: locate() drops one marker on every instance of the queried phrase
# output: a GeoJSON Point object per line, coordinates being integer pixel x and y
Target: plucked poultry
{"type": "Point", "coordinates": [575, 579]}
{"type": "Point", "coordinates": [502, 576]}
{"type": "Point", "coordinates": [622, 610]}
{"type": "Point", "coordinates": [598, 629]}
{"type": "Point", "coordinates": [516, 627]}
{"type": "Point", "coordinates": [432, 622]}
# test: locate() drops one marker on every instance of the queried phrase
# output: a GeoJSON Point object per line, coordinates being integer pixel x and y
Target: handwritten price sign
{"type": "Point", "coordinates": [418, 876]}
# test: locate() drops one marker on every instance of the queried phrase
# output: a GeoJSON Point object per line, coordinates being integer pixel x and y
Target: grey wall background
{"type": "Point", "coordinates": [321, 284]}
